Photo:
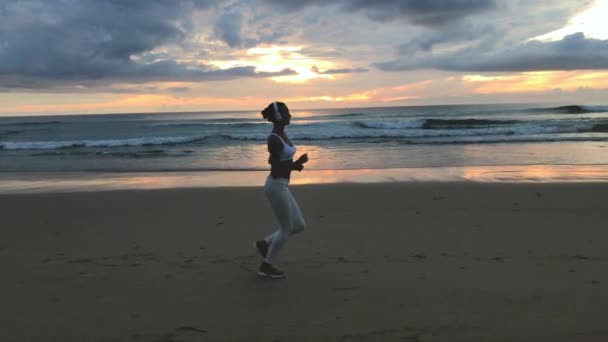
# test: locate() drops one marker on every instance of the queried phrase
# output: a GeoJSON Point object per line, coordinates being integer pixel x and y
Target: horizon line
{"type": "Point", "coordinates": [2, 115]}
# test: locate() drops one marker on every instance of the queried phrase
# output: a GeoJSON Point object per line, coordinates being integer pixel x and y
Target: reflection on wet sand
{"type": "Point", "coordinates": [68, 182]}
{"type": "Point", "coordinates": [537, 173]}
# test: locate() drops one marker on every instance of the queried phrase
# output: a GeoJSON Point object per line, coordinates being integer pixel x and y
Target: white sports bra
{"type": "Point", "coordinates": [288, 151]}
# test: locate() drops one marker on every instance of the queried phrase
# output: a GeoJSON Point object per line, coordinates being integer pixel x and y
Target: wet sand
{"type": "Point", "coordinates": [54, 182]}
{"type": "Point", "coordinates": [386, 262]}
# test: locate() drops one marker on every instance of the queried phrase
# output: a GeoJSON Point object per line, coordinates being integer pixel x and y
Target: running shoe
{"type": "Point", "coordinates": [269, 271]}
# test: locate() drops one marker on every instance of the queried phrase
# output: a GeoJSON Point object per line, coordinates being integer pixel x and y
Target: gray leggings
{"type": "Point", "coordinates": [287, 212]}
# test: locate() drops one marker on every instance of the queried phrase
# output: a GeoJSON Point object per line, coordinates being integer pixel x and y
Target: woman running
{"type": "Point", "coordinates": [285, 207]}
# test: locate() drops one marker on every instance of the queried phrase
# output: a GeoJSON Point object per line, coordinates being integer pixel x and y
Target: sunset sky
{"type": "Point", "coordinates": [90, 56]}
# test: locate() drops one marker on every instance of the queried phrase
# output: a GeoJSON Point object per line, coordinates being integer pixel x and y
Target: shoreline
{"type": "Point", "coordinates": [386, 261]}
{"type": "Point", "coordinates": [58, 182]}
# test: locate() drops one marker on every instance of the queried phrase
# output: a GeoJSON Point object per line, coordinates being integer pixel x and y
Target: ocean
{"type": "Point", "coordinates": [335, 139]}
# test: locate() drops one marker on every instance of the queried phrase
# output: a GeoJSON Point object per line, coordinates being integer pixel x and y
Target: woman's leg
{"type": "Point", "coordinates": [287, 212]}
{"type": "Point", "coordinates": [296, 219]}
{"type": "Point", "coordinates": [277, 242]}
{"type": "Point", "coordinates": [270, 237]}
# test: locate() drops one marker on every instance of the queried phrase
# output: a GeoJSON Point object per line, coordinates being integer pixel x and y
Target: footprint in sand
{"type": "Point", "coordinates": [189, 328]}
{"type": "Point", "coordinates": [340, 289]}
{"type": "Point", "coordinates": [81, 261]}
{"type": "Point", "coordinates": [183, 333]}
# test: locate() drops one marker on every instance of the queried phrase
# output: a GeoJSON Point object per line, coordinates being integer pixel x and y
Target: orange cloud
{"type": "Point", "coordinates": [138, 103]}
{"type": "Point", "coordinates": [537, 81]}
{"type": "Point", "coordinates": [408, 91]}
{"type": "Point", "coordinates": [385, 94]}
{"type": "Point", "coordinates": [326, 98]}
{"type": "Point", "coordinates": [277, 58]}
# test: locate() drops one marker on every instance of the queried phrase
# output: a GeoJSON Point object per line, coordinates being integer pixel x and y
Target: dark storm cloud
{"type": "Point", "coordinates": [46, 42]}
{"type": "Point", "coordinates": [491, 25]}
{"type": "Point", "coordinates": [159, 71]}
{"type": "Point", "coordinates": [339, 71]}
{"type": "Point", "coordinates": [573, 52]}
{"type": "Point", "coordinates": [496, 41]}
{"type": "Point", "coordinates": [178, 89]}
{"type": "Point", "coordinates": [425, 42]}
{"type": "Point", "coordinates": [237, 30]}
{"type": "Point", "coordinates": [228, 28]}
{"type": "Point", "coordinates": [429, 13]}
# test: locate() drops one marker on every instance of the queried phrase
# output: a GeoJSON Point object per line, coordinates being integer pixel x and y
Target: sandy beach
{"type": "Point", "coordinates": [378, 262]}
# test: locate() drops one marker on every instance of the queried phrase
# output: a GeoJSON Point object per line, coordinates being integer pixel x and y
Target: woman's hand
{"type": "Point", "coordinates": [298, 166]}
{"type": "Point", "coordinates": [303, 158]}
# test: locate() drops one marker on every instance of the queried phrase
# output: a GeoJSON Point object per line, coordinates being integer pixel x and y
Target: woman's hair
{"type": "Point", "coordinates": [270, 112]}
